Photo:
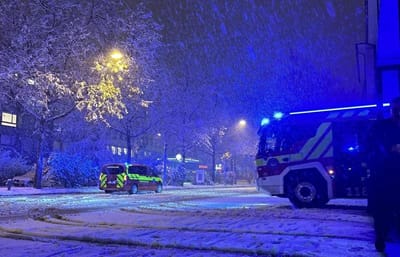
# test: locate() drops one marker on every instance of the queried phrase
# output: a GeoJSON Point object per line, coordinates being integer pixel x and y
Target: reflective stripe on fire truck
{"type": "Point", "coordinates": [316, 146]}
{"type": "Point", "coordinates": [321, 144]}
{"type": "Point", "coordinates": [324, 144]}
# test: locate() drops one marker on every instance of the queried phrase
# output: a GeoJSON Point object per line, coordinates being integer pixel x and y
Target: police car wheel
{"type": "Point", "coordinates": [159, 188]}
{"type": "Point", "coordinates": [133, 190]}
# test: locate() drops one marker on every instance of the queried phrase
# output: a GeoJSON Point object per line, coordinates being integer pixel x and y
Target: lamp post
{"type": "Point", "coordinates": [238, 137]}
{"type": "Point", "coordinates": [165, 159]}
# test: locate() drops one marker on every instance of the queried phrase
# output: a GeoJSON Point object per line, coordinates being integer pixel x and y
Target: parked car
{"type": "Point", "coordinates": [130, 178]}
{"type": "Point", "coordinates": [25, 180]}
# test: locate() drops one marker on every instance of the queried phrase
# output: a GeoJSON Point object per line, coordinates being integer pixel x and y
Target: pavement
{"type": "Point", "coordinates": [92, 190]}
{"type": "Point", "coordinates": [47, 190]}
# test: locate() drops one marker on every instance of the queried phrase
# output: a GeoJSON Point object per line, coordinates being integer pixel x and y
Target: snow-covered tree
{"type": "Point", "coordinates": [137, 124]}
{"type": "Point", "coordinates": [54, 58]}
{"type": "Point", "coordinates": [210, 142]}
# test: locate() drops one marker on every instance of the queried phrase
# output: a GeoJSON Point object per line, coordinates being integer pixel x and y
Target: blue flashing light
{"type": "Point", "coordinates": [278, 115]}
{"type": "Point", "coordinates": [336, 109]}
{"type": "Point", "coordinates": [265, 121]}
{"type": "Point", "coordinates": [351, 149]}
{"type": "Point", "coordinates": [386, 104]}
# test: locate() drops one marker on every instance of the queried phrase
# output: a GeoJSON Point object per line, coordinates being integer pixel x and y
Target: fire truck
{"type": "Point", "coordinates": [314, 156]}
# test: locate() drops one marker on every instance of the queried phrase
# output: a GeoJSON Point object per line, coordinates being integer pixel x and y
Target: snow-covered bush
{"type": "Point", "coordinates": [11, 164]}
{"type": "Point", "coordinates": [72, 170]}
{"type": "Point", "coordinates": [176, 176]}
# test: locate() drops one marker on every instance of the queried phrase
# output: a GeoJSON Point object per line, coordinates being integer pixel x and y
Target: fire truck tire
{"type": "Point", "coordinates": [159, 188]}
{"type": "Point", "coordinates": [306, 192]}
{"type": "Point", "coordinates": [108, 191]}
{"type": "Point", "coordinates": [133, 190]}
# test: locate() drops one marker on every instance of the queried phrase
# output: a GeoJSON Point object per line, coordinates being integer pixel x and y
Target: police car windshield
{"type": "Point", "coordinates": [113, 169]}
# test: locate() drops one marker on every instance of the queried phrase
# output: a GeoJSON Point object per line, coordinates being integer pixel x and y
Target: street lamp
{"type": "Point", "coordinates": [116, 62]}
{"type": "Point", "coordinates": [179, 157]}
{"type": "Point", "coordinates": [116, 54]}
{"type": "Point", "coordinates": [242, 123]}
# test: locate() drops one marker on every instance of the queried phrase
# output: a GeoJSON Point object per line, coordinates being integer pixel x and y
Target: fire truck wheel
{"type": "Point", "coordinates": [306, 193]}
{"type": "Point", "coordinates": [159, 188]}
{"type": "Point", "coordinates": [133, 190]}
{"type": "Point", "coordinates": [108, 191]}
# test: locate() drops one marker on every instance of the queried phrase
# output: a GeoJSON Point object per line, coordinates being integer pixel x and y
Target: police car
{"type": "Point", "coordinates": [130, 178]}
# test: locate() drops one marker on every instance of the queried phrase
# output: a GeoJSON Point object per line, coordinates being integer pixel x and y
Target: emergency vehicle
{"type": "Point", "coordinates": [130, 178]}
{"type": "Point", "coordinates": [314, 156]}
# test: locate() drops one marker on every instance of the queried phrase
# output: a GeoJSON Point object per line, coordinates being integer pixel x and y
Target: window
{"type": "Point", "coordinates": [113, 169]}
{"type": "Point", "coordinates": [8, 119]}
{"type": "Point", "coordinates": [141, 170]}
{"type": "Point", "coordinates": [113, 150]}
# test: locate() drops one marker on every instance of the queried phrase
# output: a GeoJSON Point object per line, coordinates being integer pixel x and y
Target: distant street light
{"type": "Point", "coordinates": [179, 157]}
{"type": "Point", "coordinates": [242, 123]}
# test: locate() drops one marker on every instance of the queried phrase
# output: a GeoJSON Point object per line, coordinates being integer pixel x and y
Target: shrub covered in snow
{"type": "Point", "coordinates": [72, 170]}
{"type": "Point", "coordinates": [11, 164]}
{"type": "Point", "coordinates": [176, 176]}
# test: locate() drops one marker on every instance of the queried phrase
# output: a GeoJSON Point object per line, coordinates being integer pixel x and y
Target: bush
{"type": "Point", "coordinates": [72, 170]}
{"type": "Point", "coordinates": [11, 165]}
{"type": "Point", "coordinates": [176, 176]}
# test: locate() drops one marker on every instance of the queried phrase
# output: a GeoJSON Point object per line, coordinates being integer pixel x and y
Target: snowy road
{"type": "Point", "coordinates": [210, 221]}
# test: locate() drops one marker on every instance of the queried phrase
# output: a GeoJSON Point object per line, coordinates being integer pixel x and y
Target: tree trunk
{"type": "Point", "coordinates": [39, 166]}
{"type": "Point", "coordinates": [213, 163]}
{"type": "Point", "coordinates": [129, 147]}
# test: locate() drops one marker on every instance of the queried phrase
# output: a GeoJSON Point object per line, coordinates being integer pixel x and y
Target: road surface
{"type": "Point", "coordinates": [195, 221]}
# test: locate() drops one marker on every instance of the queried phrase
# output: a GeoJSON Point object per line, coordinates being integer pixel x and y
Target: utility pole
{"type": "Point", "coordinates": [165, 159]}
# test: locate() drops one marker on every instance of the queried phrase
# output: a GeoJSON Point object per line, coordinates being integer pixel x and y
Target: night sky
{"type": "Point", "coordinates": [262, 56]}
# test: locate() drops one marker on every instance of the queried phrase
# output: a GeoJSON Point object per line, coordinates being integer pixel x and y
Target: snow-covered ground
{"type": "Point", "coordinates": [239, 224]}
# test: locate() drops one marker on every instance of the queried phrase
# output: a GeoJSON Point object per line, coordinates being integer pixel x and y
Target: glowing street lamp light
{"type": "Point", "coordinates": [179, 157]}
{"type": "Point", "coordinates": [116, 54]}
{"type": "Point", "coordinates": [242, 123]}
{"type": "Point", "coordinates": [116, 62]}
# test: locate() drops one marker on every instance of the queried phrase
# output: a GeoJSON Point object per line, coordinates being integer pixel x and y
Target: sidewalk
{"type": "Point", "coordinates": [92, 190]}
{"type": "Point", "coordinates": [47, 190]}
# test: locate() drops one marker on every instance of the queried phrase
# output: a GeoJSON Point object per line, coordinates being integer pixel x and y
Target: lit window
{"type": "Point", "coordinates": [8, 119]}
{"type": "Point", "coordinates": [113, 149]}
{"type": "Point", "coordinates": [119, 150]}
{"type": "Point", "coordinates": [125, 151]}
